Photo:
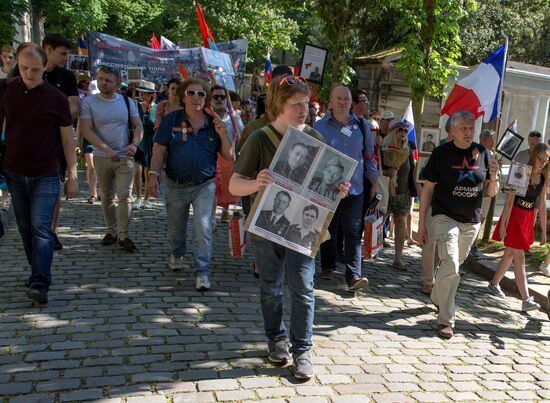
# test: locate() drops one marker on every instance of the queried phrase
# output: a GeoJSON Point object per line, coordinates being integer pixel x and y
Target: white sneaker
{"type": "Point", "coordinates": [495, 289]}
{"type": "Point", "coordinates": [545, 269]}
{"type": "Point", "coordinates": [529, 305]}
{"type": "Point", "coordinates": [147, 204]}
{"type": "Point", "coordinates": [137, 204]}
{"type": "Point", "coordinates": [202, 283]}
{"type": "Point", "coordinates": [177, 263]}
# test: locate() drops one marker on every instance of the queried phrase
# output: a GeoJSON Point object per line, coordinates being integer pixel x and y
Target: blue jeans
{"type": "Point", "coordinates": [34, 199]}
{"type": "Point", "coordinates": [274, 262]}
{"type": "Point", "coordinates": [348, 215]}
{"type": "Point", "coordinates": [178, 200]}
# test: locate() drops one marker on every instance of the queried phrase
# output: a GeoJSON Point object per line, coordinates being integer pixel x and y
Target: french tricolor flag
{"type": "Point", "coordinates": [479, 93]}
{"type": "Point", "coordinates": [408, 117]}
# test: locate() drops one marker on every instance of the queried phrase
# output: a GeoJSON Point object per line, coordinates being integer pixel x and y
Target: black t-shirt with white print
{"type": "Point", "coordinates": [458, 175]}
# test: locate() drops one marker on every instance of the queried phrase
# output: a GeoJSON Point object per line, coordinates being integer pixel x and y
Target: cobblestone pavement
{"type": "Point", "coordinates": [123, 327]}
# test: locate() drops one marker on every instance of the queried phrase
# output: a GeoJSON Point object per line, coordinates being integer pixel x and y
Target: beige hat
{"type": "Point", "coordinates": [146, 86]}
{"type": "Point", "coordinates": [387, 115]}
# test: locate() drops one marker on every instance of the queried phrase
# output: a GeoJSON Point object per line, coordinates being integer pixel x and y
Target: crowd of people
{"type": "Point", "coordinates": [138, 139]}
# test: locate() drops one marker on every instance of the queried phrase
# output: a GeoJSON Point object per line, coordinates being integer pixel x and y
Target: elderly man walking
{"type": "Point", "coordinates": [457, 175]}
{"type": "Point", "coordinates": [350, 135]}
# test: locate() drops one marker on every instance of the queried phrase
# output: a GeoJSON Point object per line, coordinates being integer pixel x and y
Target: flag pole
{"type": "Point", "coordinates": [491, 213]}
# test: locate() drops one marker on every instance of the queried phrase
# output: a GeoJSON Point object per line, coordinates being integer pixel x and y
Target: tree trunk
{"type": "Point", "coordinates": [37, 23]}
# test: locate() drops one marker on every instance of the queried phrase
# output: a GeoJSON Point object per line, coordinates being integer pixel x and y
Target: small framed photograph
{"type": "Point", "coordinates": [134, 74]}
{"type": "Point", "coordinates": [518, 178]}
{"type": "Point", "coordinates": [313, 63]}
{"type": "Point", "coordinates": [77, 63]}
{"type": "Point", "coordinates": [429, 139]}
{"type": "Point", "coordinates": [420, 165]}
{"type": "Point", "coordinates": [509, 144]}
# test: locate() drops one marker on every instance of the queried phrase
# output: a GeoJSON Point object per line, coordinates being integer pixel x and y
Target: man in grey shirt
{"type": "Point", "coordinates": [104, 123]}
{"type": "Point", "coordinates": [533, 139]}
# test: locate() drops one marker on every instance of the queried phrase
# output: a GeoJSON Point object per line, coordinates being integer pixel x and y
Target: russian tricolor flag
{"type": "Point", "coordinates": [411, 136]}
{"type": "Point", "coordinates": [479, 93]}
{"type": "Point", "coordinates": [268, 70]}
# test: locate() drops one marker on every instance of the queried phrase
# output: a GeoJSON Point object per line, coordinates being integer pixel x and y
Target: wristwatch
{"type": "Point", "coordinates": [154, 173]}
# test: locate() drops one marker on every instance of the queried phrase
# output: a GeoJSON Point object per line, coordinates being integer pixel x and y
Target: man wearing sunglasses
{"type": "Point", "coordinates": [350, 135]}
{"type": "Point", "coordinates": [219, 104]}
{"type": "Point", "coordinates": [533, 139]}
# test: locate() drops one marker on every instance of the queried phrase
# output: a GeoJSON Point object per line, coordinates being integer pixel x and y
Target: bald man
{"type": "Point", "coordinates": [351, 135]}
{"type": "Point", "coordinates": [32, 160]}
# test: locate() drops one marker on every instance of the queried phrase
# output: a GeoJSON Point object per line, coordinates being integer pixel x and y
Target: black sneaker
{"type": "Point", "coordinates": [57, 245]}
{"type": "Point", "coordinates": [109, 239]}
{"type": "Point", "coordinates": [127, 245]}
{"type": "Point", "coordinates": [278, 351]}
{"type": "Point", "coordinates": [326, 273]}
{"type": "Point", "coordinates": [37, 294]}
{"type": "Point", "coordinates": [303, 369]}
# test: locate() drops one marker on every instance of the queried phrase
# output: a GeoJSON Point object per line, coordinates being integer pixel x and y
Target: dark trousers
{"type": "Point", "coordinates": [348, 215]}
{"type": "Point", "coordinates": [34, 199]}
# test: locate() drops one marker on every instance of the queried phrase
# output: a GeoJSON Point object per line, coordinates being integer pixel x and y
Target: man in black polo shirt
{"type": "Point", "coordinates": [38, 125]}
{"type": "Point", "coordinates": [57, 49]}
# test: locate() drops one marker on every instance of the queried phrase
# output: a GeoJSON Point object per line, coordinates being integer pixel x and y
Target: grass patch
{"type": "Point", "coordinates": [490, 246]}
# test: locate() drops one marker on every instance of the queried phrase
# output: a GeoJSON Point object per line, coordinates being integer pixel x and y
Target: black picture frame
{"type": "Point", "coordinates": [508, 144]}
{"type": "Point", "coordinates": [314, 60]}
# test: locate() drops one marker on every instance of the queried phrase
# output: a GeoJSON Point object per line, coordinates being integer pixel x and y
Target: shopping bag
{"type": "Point", "coordinates": [373, 242]}
{"type": "Point", "coordinates": [237, 240]}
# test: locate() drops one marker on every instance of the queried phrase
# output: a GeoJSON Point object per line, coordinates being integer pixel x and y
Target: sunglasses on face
{"type": "Point", "coordinates": [293, 80]}
{"type": "Point", "coordinates": [402, 130]}
{"type": "Point", "coordinates": [192, 93]}
{"type": "Point", "coordinates": [220, 97]}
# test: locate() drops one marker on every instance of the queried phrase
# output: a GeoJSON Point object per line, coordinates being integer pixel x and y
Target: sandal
{"type": "Point", "coordinates": [402, 266]}
{"type": "Point", "coordinates": [91, 200]}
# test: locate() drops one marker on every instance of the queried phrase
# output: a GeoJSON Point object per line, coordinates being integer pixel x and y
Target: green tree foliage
{"type": "Point", "coordinates": [525, 22]}
{"type": "Point", "coordinates": [431, 47]}
{"type": "Point", "coordinates": [11, 13]}
{"type": "Point", "coordinates": [262, 22]}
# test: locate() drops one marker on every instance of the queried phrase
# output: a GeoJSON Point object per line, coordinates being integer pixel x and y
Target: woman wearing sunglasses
{"type": "Point", "coordinates": [189, 140]}
{"type": "Point", "coordinates": [288, 101]}
{"type": "Point", "coordinates": [399, 204]}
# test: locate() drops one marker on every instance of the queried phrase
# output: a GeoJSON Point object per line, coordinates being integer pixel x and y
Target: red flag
{"type": "Point", "coordinates": [183, 72]}
{"type": "Point", "coordinates": [207, 38]}
{"type": "Point", "coordinates": [154, 42]}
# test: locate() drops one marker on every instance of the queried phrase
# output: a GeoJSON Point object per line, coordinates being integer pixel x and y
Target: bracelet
{"type": "Point", "coordinates": [134, 144]}
{"type": "Point", "coordinates": [154, 173]}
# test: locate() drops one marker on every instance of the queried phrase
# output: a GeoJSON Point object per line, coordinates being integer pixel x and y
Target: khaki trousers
{"type": "Point", "coordinates": [453, 245]}
{"type": "Point", "coordinates": [115, 177]}
{"type": "Point", "coordinates": [429, 255]}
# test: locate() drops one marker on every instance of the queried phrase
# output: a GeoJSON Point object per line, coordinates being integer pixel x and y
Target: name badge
{"type": "Point", "coordinates": [345, 131]}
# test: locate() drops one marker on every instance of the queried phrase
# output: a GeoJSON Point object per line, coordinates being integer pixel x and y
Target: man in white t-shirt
{"type": "Point", "coordinates": [104, 123]}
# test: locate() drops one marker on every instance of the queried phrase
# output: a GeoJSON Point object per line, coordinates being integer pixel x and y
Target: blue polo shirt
{"type": "Point", "coordinates": [193, 160]}
{"type": "Point", "coordinates": [356, 146]}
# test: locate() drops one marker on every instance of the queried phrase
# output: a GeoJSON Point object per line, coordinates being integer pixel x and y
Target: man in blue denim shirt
{"type": "Point", "coordinates": [190, 140]}
{"type": "Point", "coordinates": [350, 135]}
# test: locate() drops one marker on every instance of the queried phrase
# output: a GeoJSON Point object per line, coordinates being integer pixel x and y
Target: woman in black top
{"type": "Point", "coordinates": [516, 226]}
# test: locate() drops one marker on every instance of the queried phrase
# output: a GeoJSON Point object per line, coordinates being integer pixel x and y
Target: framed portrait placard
{"type": "Point", "coordinates": [314, 59]}
{"type": "Point", "coordinates": [420, 165]}
{"type": "Point", "coordinates": [429, 139]}
{"type": "Point", "coordinates": [517, 181]}
{"type": "Point", "coordinates": [508, 144]}
{"type": "Point", "coordinates": [296, 209]}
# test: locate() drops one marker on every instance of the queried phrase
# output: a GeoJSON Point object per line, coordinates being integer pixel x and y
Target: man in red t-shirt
{"type": "Point", "coordinates": [31, 165]}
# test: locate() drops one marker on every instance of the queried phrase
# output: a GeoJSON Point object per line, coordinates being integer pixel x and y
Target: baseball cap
{"type": "Point", "coordinates": [396, 123]}
{"type": "Point", "coordinates": [387, 115]}
{"type": "Point", "coordinates": [535, 133]}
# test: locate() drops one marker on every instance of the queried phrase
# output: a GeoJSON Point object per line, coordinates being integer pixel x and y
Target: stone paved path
{"type": "Point", "coordinates": [123, 327]}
